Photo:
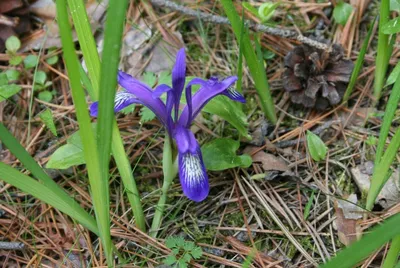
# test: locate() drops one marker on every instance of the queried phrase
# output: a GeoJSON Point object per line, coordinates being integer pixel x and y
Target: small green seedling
{"type": "Point", "coordinates": [182, 252]}
{"type": "Point", "coordinates": [42, 85]}
{"type": "Point", "coordinates": [31, 61]}
{"type": "Point", "coordinates": [316, 147]}
{"type": "Point", "coordinates": [342, 12]}
{"type": "Point", "coordinates": [371, 140]}
{"type": "Point", "coordinates": [12, 75]}
{"type": "Point", "coordinates": [7, 90]}
{"type": "Point", "coordinates": [47, 118]}
{"type": "Point", "coordinates": [12, 46]}
{"type": "Point", "coordinates": [267, 10]}
{"type": "Point", "coordinates": [264, 12]}
{"type": "Point", "coordinates": [52, 58]}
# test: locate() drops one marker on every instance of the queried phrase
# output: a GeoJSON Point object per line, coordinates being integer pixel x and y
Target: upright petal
{"type": "Point", "coordinates": [161, 89]}
{"type": "Point", "coordinates": [144, 95]}
{"type": "Point", "coordinates": [209, 89]}
{"type": "Point", "coordinates": [192, 173]}
{"type": "Point", "coordinates": [122, 100]}
{"type": "Point", "coordinates": [178, 78]}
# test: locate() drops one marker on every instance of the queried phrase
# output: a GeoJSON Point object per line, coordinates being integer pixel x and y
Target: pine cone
{"type": "Point", "coordinates": [316, 78]}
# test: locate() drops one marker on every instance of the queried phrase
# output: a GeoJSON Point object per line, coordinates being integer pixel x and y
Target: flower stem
{"type": "Point", "coordinates": [170, 170]}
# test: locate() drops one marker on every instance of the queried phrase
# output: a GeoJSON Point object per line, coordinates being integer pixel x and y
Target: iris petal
{"type": "Point", "coordinates": [209, 89]}
{"type": "Point", "coordinates": [193, 176]}
{"type": "Point", "coordinates": [233, 94]}
{"type": "Point", "coordinates": [144, 95]}
{"type": "Point", "coordinates": [178, 78]}
{"type": "Point", "coordinates": [122, 100]}
{"type": "Point", "coordinates": [192, 173]}
{"type": "Point", "coordinates": [161, 89]}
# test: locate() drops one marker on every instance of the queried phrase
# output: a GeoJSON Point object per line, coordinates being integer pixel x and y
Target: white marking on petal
{"type": "Point", "coordinates": [193, 169]}
{"type": "Point", "coordinates": [122, 97]}
{"type": "Point", "coordinates": [233, 92]}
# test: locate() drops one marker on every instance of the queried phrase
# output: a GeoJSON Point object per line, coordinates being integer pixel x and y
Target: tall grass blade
{"type": "Point", "coordinates": [108, 82]}
{"type": "Point", "coordinates": [393, 253]}
{"type": "Point", "coordinates": [257, 71]}
{"type": "Point", "coordinates": [118, 151]}
{"type": "Point", "coordinates": [379, 177]}
{"type": "Point", "coordinates": [370, 242]}
{"type": "Point", "coordinates": [240, 58]}
{"type": "Point", "coordinates": [98, 187]}
{"type": "Point", "coordinates": [63, 203]}
{"type": "Point", "coordinates": [86, 41]}
{"type": "Point", "coordinates": [71, 207]}
{"type": "Point", "coordinates": [387, 119]}
{"type": "Point", "coordinates": [384, 50]}
{"type": "Point", "coordinates": [359, 63]}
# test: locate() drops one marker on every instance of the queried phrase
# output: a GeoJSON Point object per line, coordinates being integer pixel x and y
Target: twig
{"type": "Point", "coordinates": [12, 245]}
{"type": "Point", "coordinates": [317, 131]}
{"type": "Point", "coordinates": [253, 26]}
{"type": "Point", "coordinates": [8, 21]}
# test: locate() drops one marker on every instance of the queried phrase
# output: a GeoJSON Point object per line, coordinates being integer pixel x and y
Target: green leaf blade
{"type": "Point", "coordinates": [65, 204]}
{"type": "Point", "coordinates": [220, 154]}
{"type": "Point", "coordinates": [99, 188]}
{"type": "Point", "coordinates": [7, 91]}
{"type": "Point", "coordinates": [359, 250]}
{"type": "Point", "coordinates": [392, 26]}
{"type": "Point", "coordinates": [256, 70]}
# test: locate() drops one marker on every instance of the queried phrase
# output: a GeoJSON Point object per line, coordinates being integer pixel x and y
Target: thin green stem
{"type": "Point", "coordinates": [170, 171]}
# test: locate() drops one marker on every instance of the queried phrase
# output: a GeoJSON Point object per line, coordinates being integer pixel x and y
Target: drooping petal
{"type": "Point", "coordinates": [178, 78]}
{"type": "Point", "coordinates": [192, 173]}
{"type": "Point", "coordinates": [209, 89]}
{"type": "Point", "coordinates": [122, 100]}
{"type": "Point", "coordinates": [193, 176]}
{"type": "Point", "coordinates": [144, 95]}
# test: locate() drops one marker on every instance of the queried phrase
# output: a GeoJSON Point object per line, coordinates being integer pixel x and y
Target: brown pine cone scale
{"type": "Point", "coordinates": [316, 78]}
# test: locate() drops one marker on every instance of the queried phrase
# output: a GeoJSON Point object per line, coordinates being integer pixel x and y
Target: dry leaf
{"type": "Point", "coordinates": [269, 161]}
{"type": "Point", "coordinates": [347, 215]}
{"type": "Point", "coordinates": [390, 193]}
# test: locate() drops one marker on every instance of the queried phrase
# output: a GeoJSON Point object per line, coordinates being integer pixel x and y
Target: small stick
{"type": "Point", "coordinates": [317, 131]}
{"type": "Point", "coordinates": [8, 21]}
{"type": "Point", "coordinates": [253, 26]}
{"type": "Point", "coordinates": [12, 245]}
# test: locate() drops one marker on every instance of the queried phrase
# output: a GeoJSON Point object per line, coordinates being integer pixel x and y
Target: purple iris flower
{"type": "Point", "coordinates": [192, 172]}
